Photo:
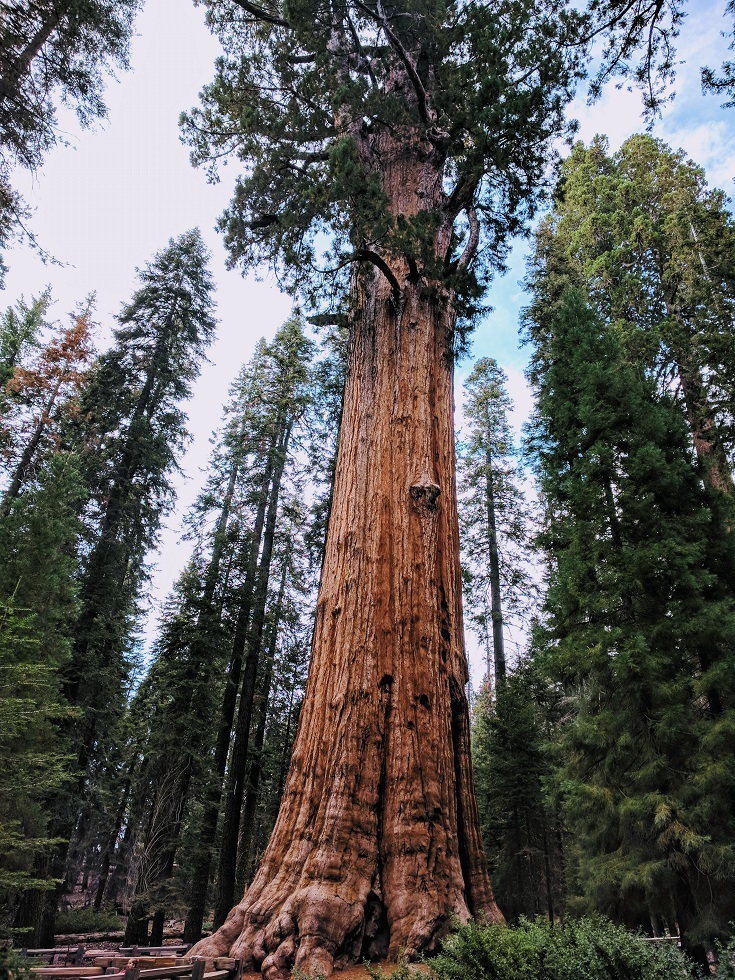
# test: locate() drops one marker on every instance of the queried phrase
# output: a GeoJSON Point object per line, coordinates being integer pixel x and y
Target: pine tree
{"type": "Point", "coordinates": [38, 537]}
{"type": "Point", "coordinates": [223, 601]}
{"type": "Point", "coordinates": [131, 427]}
{"type": "Point", "coordinates": [172, 708]}
{"type": "Point", "coordinates": [493, 516]}
{"type": "Point", "coordinates": [234, 479]}
{"type": "Point", "coordinates": [132, 415]}
{"type": "Point", "coordinates": [640, 630]}
{"type": "Point", "coordinates": [20, 327]}
{"type": "Point", "coordinates": [518, 814]}
{"type": "Point", "coordinates": [287, 394]}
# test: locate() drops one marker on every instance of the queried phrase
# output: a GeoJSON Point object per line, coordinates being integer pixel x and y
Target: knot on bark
{"type": "Point", "coordinates": [424, 492]}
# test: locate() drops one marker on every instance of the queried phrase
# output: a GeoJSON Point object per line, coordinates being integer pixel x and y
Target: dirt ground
{"type": "Point", "coordinates": [358, 972]}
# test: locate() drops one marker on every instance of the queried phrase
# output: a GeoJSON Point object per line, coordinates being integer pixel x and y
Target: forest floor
{"type": "Point", "coordinates": [359, 972]}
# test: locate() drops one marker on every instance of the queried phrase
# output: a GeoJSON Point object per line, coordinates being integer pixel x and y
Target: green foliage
{"type": "Point", "coordinates": [133, 427]}
{"type": "Point", "coordinates": [640, 621]}
{"type": "Point", "coordinates": [19, 335]}
{"type": "Point", "coordinates": [654, 250]}
{"type": "Point", "coordinates": [130, 429]}
{"type": "Point", "coordinates": [211, 637]}
{"type": "Point", "coordinates": [308, 100]}
{"type": "Point", "coordinates": [588, 949]}
{"type": "Point", "coordinates": [726, 960]}
{"type": "Point", "coordinates": [13, 965]}
{"type": "Point", "coordinates": [37, 606]}
{"type": "Point", "coordinates": [519, 818]}
{"type": "Point", "coordinates": [53, 50]}
{"type": "Point", "coordinates": [82, 920]}
{"type": "Point", "coordinates": [53, 53]}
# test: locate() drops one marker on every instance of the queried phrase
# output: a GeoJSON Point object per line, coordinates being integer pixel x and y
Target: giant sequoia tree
{"type": "Point", "coordinates": [414, 135]}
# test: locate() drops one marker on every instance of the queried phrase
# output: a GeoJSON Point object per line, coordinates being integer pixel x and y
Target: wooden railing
{"type": "Point", "coordinates": [139, 964]}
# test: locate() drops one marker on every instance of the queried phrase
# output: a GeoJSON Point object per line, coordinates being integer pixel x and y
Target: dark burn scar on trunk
{"type": "Point", "coordinates": [424, 493]}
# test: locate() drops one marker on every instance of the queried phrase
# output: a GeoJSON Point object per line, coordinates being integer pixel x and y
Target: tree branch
{"type": "Point", "coordinates": [261, 14]}
{"type": "Point", "coordinates": [380, 17]}
{"type": "Point", "coordinates": [361, 53]}
{"type": "Point", "coordinates": [367, 255]}
{"type": "Point", "coordinates": [473, 240]}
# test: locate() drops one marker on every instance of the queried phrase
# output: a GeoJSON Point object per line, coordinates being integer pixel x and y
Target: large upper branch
{"type": "Point", "coordinates": [260, 14]}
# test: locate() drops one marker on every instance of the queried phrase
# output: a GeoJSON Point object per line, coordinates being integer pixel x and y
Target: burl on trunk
{"type": "Point", "coordinates": [377, 845]}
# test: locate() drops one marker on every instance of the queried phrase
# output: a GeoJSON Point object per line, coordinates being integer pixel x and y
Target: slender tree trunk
{"type": "Point", "coordinates": [286, 748]}
{"type": "Point", "coordinates": [247, 825]}
{"type": "Point", "coordinates": [109, 850]}
{"type": "Point", "coordinates": [238, 760]}
{"type": "Point", "coordinates": [202, 866]}
{"type": "Point", "coordinates": [493, 557]}
{"type": "Point", "coordinates": [705, 434]}
{"type": "Point", "coordinates": [377, 844]}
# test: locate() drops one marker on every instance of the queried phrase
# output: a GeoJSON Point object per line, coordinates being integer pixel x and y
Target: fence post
{"type": "Point", "coordinates": [197, 969]}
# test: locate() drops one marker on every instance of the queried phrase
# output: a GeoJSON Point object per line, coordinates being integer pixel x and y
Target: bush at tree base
{"type": "Point", "coordinates": [585, 949]}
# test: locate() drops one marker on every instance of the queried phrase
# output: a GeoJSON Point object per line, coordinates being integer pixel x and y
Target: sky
{"type": "Point", "coordinates": [110, 198]}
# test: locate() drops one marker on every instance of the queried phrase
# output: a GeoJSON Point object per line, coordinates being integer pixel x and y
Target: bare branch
{"type": "Point", "coordinates": [473, 240]}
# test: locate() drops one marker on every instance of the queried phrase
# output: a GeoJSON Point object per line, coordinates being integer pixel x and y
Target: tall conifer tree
{"type": "Point", "coordinates": [39, 534]}
{"type": "Point", "coordinates": [132, 428]}
{"type": "Point", "coordinates": [654, 247]}
{"type": "Point", "coordinates": [640, 630]}
{"type": "Point", "coordinates": [493, 516]}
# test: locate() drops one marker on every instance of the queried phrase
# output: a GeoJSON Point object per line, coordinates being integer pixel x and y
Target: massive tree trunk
{"type": "Point", "coordinates": [377, 846]}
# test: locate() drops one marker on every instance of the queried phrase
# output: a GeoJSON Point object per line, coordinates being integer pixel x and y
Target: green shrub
{"type": "Point", "coordinates": [587, 949]}
{"type": "Point", "coordinates": [726, 960]}
{"type": "Point", "coordinates": [87, 920]}
{"type": "Point", "coordinates": [13, 966]}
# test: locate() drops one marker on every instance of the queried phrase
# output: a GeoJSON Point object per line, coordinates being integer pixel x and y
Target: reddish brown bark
{"type": "Point", "coordinates": [377, 845]}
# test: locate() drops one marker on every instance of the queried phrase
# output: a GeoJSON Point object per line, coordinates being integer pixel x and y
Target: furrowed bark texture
{"type": "Point", "coordinates": [377, 844]}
